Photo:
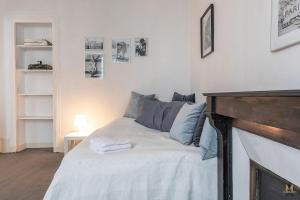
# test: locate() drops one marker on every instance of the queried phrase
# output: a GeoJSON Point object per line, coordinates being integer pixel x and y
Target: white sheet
{"type": "Point", "coordinates": [156, 168]}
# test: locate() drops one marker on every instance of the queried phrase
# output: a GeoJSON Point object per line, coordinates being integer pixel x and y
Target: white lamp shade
{"type": "Point", "coordinates": [80, 123]}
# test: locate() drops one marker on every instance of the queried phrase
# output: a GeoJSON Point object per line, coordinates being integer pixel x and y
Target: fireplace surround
{"type": "Point", "coordinates": [266, 185]}
{"type": "Point", "coordinates": [274, 115]}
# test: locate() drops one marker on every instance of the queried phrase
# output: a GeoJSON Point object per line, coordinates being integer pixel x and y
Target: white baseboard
{"type": "Point", "coordinates": [1, 145]}
{"type": "Point", "coordinates": [21, 147]}
{"type": "Point", "coordinates": [6, 149]}
{"type": "Point", "coordinates": [39, 145]}
{"type": "Point", "coordinates": [58, 150]}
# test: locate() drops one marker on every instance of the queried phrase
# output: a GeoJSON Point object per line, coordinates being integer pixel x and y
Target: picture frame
{"type": "Point", "coordinates": [121, 50]}
{"type": "Point", "coordinates": [141, 46]}
{"type": "Point", "coordinates": [94, 43]}
{"type": "Point", "coordinates": [94, 57]}
{"type": "Point", "coordinates": [207, 32]}
{"type": "Point", "coordinates": [285, 23]}
{"type": "Point", "coordinates": [94, 65]}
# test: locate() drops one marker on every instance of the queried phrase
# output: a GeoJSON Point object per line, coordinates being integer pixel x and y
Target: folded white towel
{"type": "Point", "coordinates": [105, 141]}
{"type": "Point", "coordinates": [112, 148]}
{"type": "Point", "coordinates": [102, 145]}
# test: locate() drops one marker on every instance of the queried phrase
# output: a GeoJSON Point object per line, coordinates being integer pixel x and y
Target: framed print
{"type": "Point", "coordinates": [94, 57]}
{"type": "Point", "coordinates": [94, 43]}
{"type": "Point", "coordinates": [141, 47]}
{"type": "Point", "coordinates": [94, 65]}
{"type": "Point", "coordinates": [285, 23]}
{"type": "Point", "coordinates": [121, 50]}
{"type": "Point", "coordinates": [207, 32]}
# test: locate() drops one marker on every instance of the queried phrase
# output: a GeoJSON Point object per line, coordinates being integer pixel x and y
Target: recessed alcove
{"type": "Point", "coordinates": [35, 88]}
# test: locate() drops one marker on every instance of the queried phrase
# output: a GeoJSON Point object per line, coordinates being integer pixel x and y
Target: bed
{"type": "Point", "coordinates": [156, 168]}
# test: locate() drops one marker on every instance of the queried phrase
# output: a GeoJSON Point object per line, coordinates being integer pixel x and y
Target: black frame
{"type": "Point", "coordinates": [210, 10]}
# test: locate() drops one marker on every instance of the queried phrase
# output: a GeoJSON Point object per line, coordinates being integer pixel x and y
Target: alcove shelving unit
{"type": "Point", "coordinates": [35, 88]}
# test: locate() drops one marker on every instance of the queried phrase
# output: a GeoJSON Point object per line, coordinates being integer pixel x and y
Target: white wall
{"type": "Point", "coordinates": [242, 59]}
{"type": "Point", "coordinates": [165, 70]}
{"type": "Point", "coordinates": [1, 83]}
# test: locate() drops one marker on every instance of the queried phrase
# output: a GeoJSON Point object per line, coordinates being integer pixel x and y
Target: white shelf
{"type": "Point", "coordinates": [35, 102]}
{"type": "Point", "coordinates": [36, 117]}
{"type": "Point", "coordinates": [35, 94]}
{"type": "Point", "coordinates": [34, 71]}
{"type": "Point", "coordinates": [34, 47]}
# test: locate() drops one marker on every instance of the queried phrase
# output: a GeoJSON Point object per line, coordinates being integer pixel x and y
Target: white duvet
{"type": "Point", "coordinates": [156, 168]}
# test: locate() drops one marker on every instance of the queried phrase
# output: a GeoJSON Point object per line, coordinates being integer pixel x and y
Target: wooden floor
{"type": "Point", "coordinates": [27, 175]}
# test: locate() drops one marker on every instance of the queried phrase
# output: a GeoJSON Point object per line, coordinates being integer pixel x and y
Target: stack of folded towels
{"type": "Point", "coordinates": [103, 145]}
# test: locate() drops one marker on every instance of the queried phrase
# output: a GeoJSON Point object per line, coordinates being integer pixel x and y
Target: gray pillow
{"type": "Point", "coordinates": [208, 141]}
{"type": "Point", "coordinates": [185, 98]}
{"type": "Point", "coordinates": [158, 115]}
{"type": "Point", "coordinates": [170, 111]}
{"type": "Point", "coordinates": [199, 127]}
{"type": "Point", "coordinates": [185, 122]}
{"type": "Point", "coordinates": [149, 115]}
{"type": "Point", "coordinates": [134, 104]}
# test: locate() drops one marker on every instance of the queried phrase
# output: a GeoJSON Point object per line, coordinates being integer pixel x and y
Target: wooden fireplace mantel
{"type": "Point", "coordinates": [271, 114]}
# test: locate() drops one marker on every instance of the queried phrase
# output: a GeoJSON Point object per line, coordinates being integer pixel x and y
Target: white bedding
{"type": "Point", "coordinates": [156, 168]}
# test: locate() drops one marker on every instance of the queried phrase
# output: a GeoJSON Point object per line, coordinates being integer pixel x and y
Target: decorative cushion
{"type": "Point", "coordinates": [185, 122]}
{"type": "Point", "coordinates": [199, 127]}
{"type": "Point", "coordinates": [158, 115]}
{"type": "Point", "coordinates": [134, 104]}
{"type": "Point", "coordinates": [149, 115]}
{"type": "Point", "coordinates": [170, 111]}
{"type": "Point", "coordinates": [208, 141]}
{"type": "Point", "coordinates": [185, 98]}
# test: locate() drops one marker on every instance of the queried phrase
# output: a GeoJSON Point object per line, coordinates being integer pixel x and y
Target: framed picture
{"type": "Point", "coordinates": [141, 47]}
{"type": "Point", "coordinates": [94, 63]}
{"type": "Point", "coordinates": [121, 50]}
{"type": "Point", "coordinates": [207, 31]}
{"type": "Point", "coordinates": [94, 57]}
{"type": "Point", "coordinates": [285, 23]}
{"type": "Point", "coordinates": [94, 43]}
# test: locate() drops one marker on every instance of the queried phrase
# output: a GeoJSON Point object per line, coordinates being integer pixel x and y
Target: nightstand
{"type": "Point", "coordinates": [72, 139]}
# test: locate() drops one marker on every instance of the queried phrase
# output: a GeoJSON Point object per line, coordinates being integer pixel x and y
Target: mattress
{"type": "Point", "coordinates": [156, 168]}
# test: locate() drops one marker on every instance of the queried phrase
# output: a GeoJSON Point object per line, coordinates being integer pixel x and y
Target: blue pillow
{"type": "Point", "coordinates": [208, 141]}
{"type": "Point", "coordinates": [185, 122]}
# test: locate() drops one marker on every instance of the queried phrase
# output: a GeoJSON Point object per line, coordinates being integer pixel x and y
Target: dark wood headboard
{"type": "Point", "coordinates": [271, 114]}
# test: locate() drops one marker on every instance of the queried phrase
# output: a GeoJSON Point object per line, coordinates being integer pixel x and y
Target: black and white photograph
{"type": "Point", "coordinates": [288, 16]}
{"type": "Point", "coordinates": [94, 43]}
{"type": "Point", "coordinates": [285, 23]}
{"type": "Point", "coordinates": [94, 64]}
{"type": "Point", "coordinates": [121, 50]}
{"type": "Point", "coordinates": [207, 31]}
{"type": "Point", "coordinates": [141, 47]}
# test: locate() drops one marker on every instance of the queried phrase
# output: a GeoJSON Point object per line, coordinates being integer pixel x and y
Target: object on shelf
{"type": "Point", "coordinates": [42, 42]}
{"type": "Point", "coordinates": [39, 66]}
